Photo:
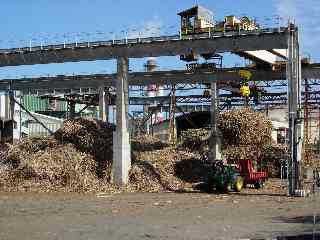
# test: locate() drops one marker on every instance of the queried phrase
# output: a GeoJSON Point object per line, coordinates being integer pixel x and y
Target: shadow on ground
{"type": "Point", "coordinates": [305, 236]}
{"type": "Point", "coordinates": [309, 232]}
{"type": "Point", "coordinates": [192, 170]}
{"type": "Point", "coordinates": [260, 194]}
{"type": "Point", "coordinates": [299, 219]}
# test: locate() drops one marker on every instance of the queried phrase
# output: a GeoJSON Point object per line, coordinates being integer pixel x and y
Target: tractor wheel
{"type": "Point", "coordinates": [209, 188]}
{"type": "Point", "coordinates": [238, 185]}
{"type": "Point", "coordinates": [244, 184]}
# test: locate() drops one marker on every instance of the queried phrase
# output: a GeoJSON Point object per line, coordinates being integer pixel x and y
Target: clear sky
{"type": "Point", "coordinates": [50, 21]}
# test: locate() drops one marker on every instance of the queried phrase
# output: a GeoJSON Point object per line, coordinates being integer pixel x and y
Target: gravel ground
{"type": "Point", "coordinates": [264, 214]}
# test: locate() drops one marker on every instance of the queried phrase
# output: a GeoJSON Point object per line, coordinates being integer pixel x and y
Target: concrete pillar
{"type": "Point", "coordinates": [103, 105]}
{"type": "Point", "coordinates": [215, 138]}
{"type": "Point", "coordinates": [7, 116]}
{"type": "Point", "coordinates": [294, 109]}
{"type": "Point", "coordinates": [121, 141]}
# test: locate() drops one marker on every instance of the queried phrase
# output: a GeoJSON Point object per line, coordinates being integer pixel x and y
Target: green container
{"type": "Point", "coordinates": [33, 103]}
{"type": "Point", "coordinates": [62, 106]}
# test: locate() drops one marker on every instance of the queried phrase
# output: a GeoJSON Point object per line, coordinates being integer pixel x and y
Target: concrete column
{"type": "Point", "coordinates": [10, 120]}
{"type": "Point", "coordinates": [103, 105]}
{"type": "Point", "coordinates": [121, 141]}
{"type": "Point", "coordinates": [215, 138]}
{"type": "Point", "coordinates": [8, 123]}
{"type": "Point", "coordinates": [294, 109]}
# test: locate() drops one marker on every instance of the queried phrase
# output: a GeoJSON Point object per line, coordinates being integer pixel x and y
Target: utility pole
{"type": "Point", "coordinates": [294, 110]}
{"type": "Point", "coordinates": [172, 123]}
{"type": "Point", "coordinates": [306, 141]}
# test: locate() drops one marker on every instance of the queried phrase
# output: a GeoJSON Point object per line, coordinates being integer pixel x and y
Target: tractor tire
{"type": "Point", "coordinates": [245, 184]}
{"type": "Point", "coordinates": [210, 188]}
{"type": "Point", "coordinates": [239, 183]}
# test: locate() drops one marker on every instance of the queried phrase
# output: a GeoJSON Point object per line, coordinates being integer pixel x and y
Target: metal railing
{"type": "Point", "coordinates": [139, 40]}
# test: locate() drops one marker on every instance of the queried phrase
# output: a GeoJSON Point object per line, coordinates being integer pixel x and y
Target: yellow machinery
{"type": "Point", "coordinates": [253, 90]}
{"type": "Point", "coordinates": [245, 74]}
{"type": "Point", "coordinates": [245, 91]}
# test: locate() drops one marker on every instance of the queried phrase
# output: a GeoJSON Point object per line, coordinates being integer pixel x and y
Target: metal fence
{"type": "Point", "coordinates": [36, 130]}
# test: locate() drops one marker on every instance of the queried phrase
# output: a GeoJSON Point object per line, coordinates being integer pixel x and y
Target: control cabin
{"type": "Point", "coordinates": [196, 20]}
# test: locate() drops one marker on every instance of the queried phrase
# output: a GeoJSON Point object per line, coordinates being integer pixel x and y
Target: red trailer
{"type": "Point", "coordinates": [250, 176]}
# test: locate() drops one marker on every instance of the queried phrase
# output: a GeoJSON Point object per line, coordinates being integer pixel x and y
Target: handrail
{"type": "Point", "coordinates": [139, 40]}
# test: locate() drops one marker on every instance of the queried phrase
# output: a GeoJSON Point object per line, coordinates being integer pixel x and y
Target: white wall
{"type": "Point", "coordinates": [281, 115]}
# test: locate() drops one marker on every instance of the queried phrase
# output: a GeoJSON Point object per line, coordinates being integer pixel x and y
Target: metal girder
{"type": "Point", "coordinates": [262, 39]}
{"type": "Point", "coordinates": [166, 100]}
{"type": "Point", "coordinates": [144, 78]}
{"type": "Point", "coordinates": [313, 97]}
{"type": "Point", "coordinates": [284, 83]}
{"type": "Point", "coordinates": [188, 103]}
{"type": "Point", "coordinates": [184, 108]}
{"type": "Point", "coordinates": [88, 99]}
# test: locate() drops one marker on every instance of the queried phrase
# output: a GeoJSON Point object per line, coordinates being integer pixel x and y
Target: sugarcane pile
{"type": "Point", "coordinates": [146, 143]}
{"type": "Point", "coordinates": [243, 127]}
{"type": "Point", "coordinates": [274, 155]}
{"type": "Point", "coordinates": [245, 133]}
{"type": "Point", "coordinates": [77, 158]}
{"type": "Point", "coordinates": [45, 165]}
{"type": "Point", "coordinates": [194, 139]}
{"type": "Point", "coordinates": [90, 136]}
{"type": "Point", "coordinates": [166, 169]}
{"type": "Point", "coordinates": [157, 168]}
{"type": "Point", "coordinates": [313, 160]}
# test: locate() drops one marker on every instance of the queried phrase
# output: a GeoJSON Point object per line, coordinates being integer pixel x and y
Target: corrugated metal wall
{"type": "Point", "coordinates": [36, 130]}
{"type": "Point", "coordinates": [61, 106]}
{"type": "Point", "coordinates": [33, 103]}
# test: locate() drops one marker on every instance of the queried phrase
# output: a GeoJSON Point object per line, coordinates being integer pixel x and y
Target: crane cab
{"type": "Point", "coordinates": [196, 20]}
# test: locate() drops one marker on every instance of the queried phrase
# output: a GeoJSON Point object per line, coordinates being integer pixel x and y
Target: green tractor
{"type": "Point", "coordinates": [224, 178]}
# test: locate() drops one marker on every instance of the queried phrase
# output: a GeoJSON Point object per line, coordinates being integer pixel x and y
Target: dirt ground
{"type": "Point", "coordinates": [250, 214]}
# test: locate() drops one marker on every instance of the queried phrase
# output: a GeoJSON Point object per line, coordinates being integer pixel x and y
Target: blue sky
{"type": "Point", "coordinates": [55, 21]}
